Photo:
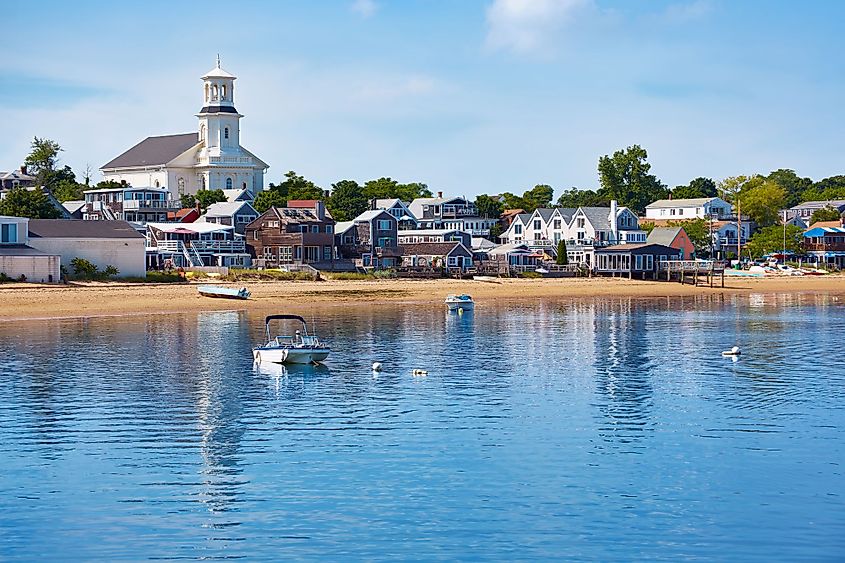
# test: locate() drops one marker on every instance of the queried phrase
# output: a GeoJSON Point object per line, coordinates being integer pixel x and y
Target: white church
{"type": "Point", "coordinates": [210, 158]}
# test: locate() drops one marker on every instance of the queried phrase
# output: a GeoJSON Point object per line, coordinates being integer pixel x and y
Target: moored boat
{"type": "Point", "coordinates": [301, 348]}
{"type": "Point", "coordinates": [223, 292]}
{"type": "Point", "coordinates": [460, 302]}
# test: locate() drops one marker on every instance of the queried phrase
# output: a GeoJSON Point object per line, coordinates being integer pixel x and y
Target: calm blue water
{"type": "Point", "coordinates": [608, 429]}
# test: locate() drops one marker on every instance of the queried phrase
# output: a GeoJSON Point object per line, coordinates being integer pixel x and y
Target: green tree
{"type": "Point", "coordinates": [411, 191]}
{"type": "Point", "coordinates": [347, 200]}
{"type": "Point", "coordinates": [698, 188]}
{"type": "Point", "coordinates": [762, 201]}
{"type": "Point", "coordinates": [562, 257]}
{"type": "Point", "coordinates": [496, 231]}
{"type": "Point", "coordinates": [574, 198]}
{"type": "Point", "coordinates": [187, 201]}
{"type": "Point", "coordinates": [539, 196]}
{"type": "Point", "coordinates": [771, 240]}
{"type": "Point", "coordinates": [295, 186]}
{"type": "Point", "coordinates": [794, 185]}
{"type": "Point", "coordinates": [827, 213]}
{"type": "Point", "coordinates": [731, 187]}
{"type": "Point", "coordinates": [21, 202]}
{"type": "Point", "coordinates": [388, 188]}
{"type": "Point", "coordinates": [488, 207]}
{"type": "Point", "coordinates": [625, 177]}
{"type": "Point", "coordinates": [42, 158]}
{"type": "Point", "coordinates": [110, 185]}
{"type": "Point", "coordinates": [208, 197]}
{"type": "Point", "coordinates": [826, 189]}
{"type": "Point", "coordinates": [647, 226]}
{"type": "Point", "coordinates": [267, 199]}
{"type": "Point", "coordinates": [513, 201]}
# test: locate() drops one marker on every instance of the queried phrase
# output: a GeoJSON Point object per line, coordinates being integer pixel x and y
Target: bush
{"type": "Point", "coordinates": [4, 277]}
{"type": "Point", "coordinates": [86, 270]}
{"type": "Point", "coordinates": [156, 277]}
{"type": "Point", "coordinates": [269, 275]}
{"type": "Point", "coordinates": [384, 274]}
{"type": "Point", "coordinates": [531, 275]}
{"type": "Point", "coordinates": [350, 276]}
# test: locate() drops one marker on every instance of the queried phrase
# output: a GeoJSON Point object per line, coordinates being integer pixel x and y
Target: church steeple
{"type": "Point", "coordinates": [219, 125]}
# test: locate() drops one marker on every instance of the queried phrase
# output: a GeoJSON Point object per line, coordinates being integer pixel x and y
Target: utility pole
{"type": "Point", "coordinates": [784, 236]}
{"type": "Point", "coordinates": [738, 233]}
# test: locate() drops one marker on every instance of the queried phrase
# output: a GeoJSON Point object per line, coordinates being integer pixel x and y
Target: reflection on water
{"type": "Point", "coordinates": [606, 429]}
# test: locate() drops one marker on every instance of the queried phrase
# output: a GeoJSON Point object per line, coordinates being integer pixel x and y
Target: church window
{"type": "Point", "coordinates": [226, 133]}
{"type": "Point", "coordinates": [202, 133]}
{"type": "Point", "coordinates": [158, 185]}
{"type": "Point", "coordinates": [202, 182]}
{"type": "Point", "coordinates": [228, 183]}
{"type": "Point", "coordinates": [214, 92]}
{"type": "Point", "coordinates": [206, 92]}
{"type": "Point", "coordinates": [223, 92]}
{"type": "Point", "coordinates": [181, 184]}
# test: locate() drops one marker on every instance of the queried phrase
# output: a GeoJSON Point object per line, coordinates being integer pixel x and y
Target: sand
{"type": "Point", "coordinates": [32, 302]}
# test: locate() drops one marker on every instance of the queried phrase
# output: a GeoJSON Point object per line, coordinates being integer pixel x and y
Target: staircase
{"type": "Point", "coordinates": [192, 256]}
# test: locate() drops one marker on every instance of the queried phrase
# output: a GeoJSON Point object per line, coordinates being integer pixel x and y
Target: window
{"type": "Point", "coordinates": [273, 224]}
{"type": "Point", "coordinates": [303, 228]}
{"type": "Point", "coordinates": [181, 186]}
{"type": "Point", "coordinates": [315, 228]}
{"type": "Point", "coordinates": [329, 229]}
{"type": "Point", "coordinates": [385, 242]}
{"type": "Point", "coordinates": [383, 225]}
{"type": "Point", "coordinates": [537, 225]}
{"type": "Point", "coordinates": [638, 262]}
{"type": "Point", "coordinates": [327, 253]}
{"type": "Point", "coordinates": [158, 184]}
{"type": "Point", "coordinates": [228, 183]}
{"type": "Point", "coordinates": [285, 253]}
{"type": "Point", "coordinates": [255, 235]}
{"type": "Point", "coordinates": [557, 224]}
{"type": "Point", "coordinates": [9, 232]}
{"type": "Point", "coordinates": [226, 133]}
{"type": "Point", "coordinates": [649, 262]}
{"type": "Point", "coordinates": [223, 92]}
{"type": "Point", "coordinates": [214, 92]}
{"type": "Point", "coordinates": [453, 260]}
{"type": "Point", "coordinates": [347, 239]}
{"type": "Point", "coordinates": [517, 229]}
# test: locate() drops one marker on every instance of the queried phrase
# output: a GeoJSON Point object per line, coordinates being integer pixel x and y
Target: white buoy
{"type": "Point", "coordinates": [376, 366]}
{"type": "Point", "coordinates": [732, 352]}
{"type": "Point", "coordinates": [419, 373]}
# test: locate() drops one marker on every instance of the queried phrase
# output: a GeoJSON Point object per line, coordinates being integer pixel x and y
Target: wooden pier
{"type": "Point", "coordinates": [691, 271]}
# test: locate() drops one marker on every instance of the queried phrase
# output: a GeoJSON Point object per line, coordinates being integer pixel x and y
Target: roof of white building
{"type": "Point", "coordinates": [73, 205]}
{"type": "Point", "coordinates": [510, 248]}
{"type": "Point", "coordinates": [481, 243]}
{"type": "Point", "coordinates": [154, 151]}
{"type": "Point", "coordinates": [343, 226]}
{"type": "Point", "coordinates": [196, 227]}
{"type": "Point", "coordinates": [388, 203]}
{"type": "Point", "coordinates": [667, 203]}
{"type": "Point", "coordinates": [226, 208]}
{"type": "Point", "coordinates": [369, 215]}
{"type": "Point", "coordinates": [77, 228]}
{"type": "Point", "coordinates": [237, 195]}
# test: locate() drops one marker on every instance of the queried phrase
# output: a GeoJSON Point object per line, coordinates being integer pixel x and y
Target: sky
{"type": "Point", "coordinates": [469, 97]}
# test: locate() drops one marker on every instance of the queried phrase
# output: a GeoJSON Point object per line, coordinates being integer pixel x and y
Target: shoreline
{"type": "Point", "coordinates": [28, 302]}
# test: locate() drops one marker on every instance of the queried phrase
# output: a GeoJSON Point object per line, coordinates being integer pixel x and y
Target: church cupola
{"type": "Point", "coordinates": [219, 121]}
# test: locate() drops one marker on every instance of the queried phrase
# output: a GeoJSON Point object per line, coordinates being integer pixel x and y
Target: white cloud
{"type": "Point", "coordinates": [364, 8]}
{"type": "Point", "coordinates": [687, 11]}
{"type": "Point", "coordinates": [529, 26]}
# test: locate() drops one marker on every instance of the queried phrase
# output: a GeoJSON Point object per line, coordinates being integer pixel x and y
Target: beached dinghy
{"type": "Point", "coordinates": [301, 348]}
{"type": "Point", "coordinates": [223, 292]}
{"type": "Point", "coordinates": [460, 303]}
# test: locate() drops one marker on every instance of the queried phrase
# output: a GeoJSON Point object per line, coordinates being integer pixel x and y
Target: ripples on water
{"type": "Point", "coordinates": [607, 429]}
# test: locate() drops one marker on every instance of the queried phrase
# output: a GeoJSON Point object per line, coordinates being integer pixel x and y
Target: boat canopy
{"type": "Point", "coordinates": [283, 317]}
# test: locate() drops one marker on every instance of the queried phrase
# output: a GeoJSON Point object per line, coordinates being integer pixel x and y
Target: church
{"type": "Point", "coordinates": [211, 158]}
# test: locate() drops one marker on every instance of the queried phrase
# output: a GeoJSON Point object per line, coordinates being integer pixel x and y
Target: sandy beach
{"type": "Point", "coordinates": [30, 302]}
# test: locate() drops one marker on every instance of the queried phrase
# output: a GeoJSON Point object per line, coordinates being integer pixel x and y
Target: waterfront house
{"type": "Point", "coordinates": [139, 205]}
{"type": "Point", "coordinates": [805, 210]}
{"type": "Point", "coordinates": [399, 209]}
{"type": "Point", "coordinates": [19, 260]}
{"type": "Point", "coordinates": [725, 233]}
{"type": "Point", "coordinates": [413, 236]}
{"type": "Point", "coordinates": [695, 208]}
{"type": "Point", "coordinates": [824, 243]}
{"type": "Point", "coordinates": [514, 254]}
{"type": "Point", "coordinates": [633, 260]}
{"type": "Point", "coordinates": [237, 214]}
{"type": "Point", "coordinates": [370, 240]}
{"type": "Point", "coordinates": [283, 236]}
{"type": "Point", "coordinates": [451, 255]}
{"type": "Point", "coordinates": [103, 243]}
{"type": "Point", "coordinates": [195, 245]}
{"type": "Point", "coordinates": [675, 237]}
{"type": "Point", "coordinates": [450, 213]}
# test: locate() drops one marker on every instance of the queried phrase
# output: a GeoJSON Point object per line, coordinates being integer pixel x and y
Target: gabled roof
{"type": "Point", "coordinates": [481, 243]}
{"type": "Point", "coordinates": [240, 194]}
{"type": "Point", "coordinates": [511, 248]}
{"type": "Point", "coordinates": [835, 203]}
{"type": "Point", "coordinates": [599, 217]}
{"type": "Point", "coordinates": [416, 206]}
{"type": "Point", "coordinates": [371, 214]}
{"type": "Point", "coordinates": [343, 226]}
{"type": "Point", "coordinates": [154, 151]}
{"type": "Point", "coordinates": [73, 205]}
{"type": "Point", "coordinates": [77, 228]}
{"type": "Point", "coordinates": [16, 175]}
{"type": "Point", "coordinates": [196, 227]}
{"type": "Point", "coordinates": [227, 208]}
{"type": "Point", "coordinates": [545, 213]}
{"type": "Point", "coordinates": [826, 224]}
{"type": "Point", "coordinates": [691, 202]}
{"type": "Point", "coordinates": [663, 235]}
{"type": "Point", "coordinates": [567, 213]}
{"type": "Point", "coordinates": [389, 203]}
{"type": "Point", "coordinates": [422, 232]}
{"type": "Point", "coordinates": [638, 246]}
{"type": "Point", "coordinates": [432, 248]}
{"type": "Point", "coordinates": [822, 231]}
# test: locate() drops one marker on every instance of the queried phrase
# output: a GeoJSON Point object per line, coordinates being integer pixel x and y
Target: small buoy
{"type": "Point", "coordinates": [419, 373]}
{"type": "Point", "coordinates": [461, 311]}
{"type": "Point", "coordinates": [732, 352]}
{"type": "Point", "coordinates": [376, 366]}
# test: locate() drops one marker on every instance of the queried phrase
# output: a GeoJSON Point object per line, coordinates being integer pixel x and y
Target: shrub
{"type": "Point", "coordinates": [4, 277]}
{"type": "Point", "coordinates": [531, 275]}
{"type": "Point", "coordinates": [271, 275]}
{"type": "Point", "coordinates": [384, 274]}
{"type": "Point", "coordinates": [156, 277]}
{"type": "Point", "coordinates": [22, 278]}
{"type": "Point", "coordinates": [350, 276]}
{"type": "Point", "coordinates": [83, 269]}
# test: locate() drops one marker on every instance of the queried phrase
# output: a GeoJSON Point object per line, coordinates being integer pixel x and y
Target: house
{"type": "Point", "coordinates": [238, 194]}
{"type": "Point", "coordinates": [724, 232]}
{"type": "Point", "coordinates": [292, 235]}
{"type": "Point", "coordinates": [508, 215]}
{"type": "Point", "coordinates": [447, 255]}
{"type": "Point", "coordinates": [140, 205]}
{"type": "Point", "coordinates": [696, 208]}
{"type": "Point", "coordinates": [399, 209]}
{"type": "Point", "coordinates": [633, 260]}
{"type": "Point", "coordinates": [824, 243]}
{"type": "Point", "coordinates": [236, 214]}
{"type": "Point", "coordinates": [63, 213]}
{"type": "Point", "coordinates": [450, 213]}
{"type": "Point", "coordinates": [103, 243]}
{"type": "Point", "coordinates": [16, 179]}
{"type": "Point", "coordinates": [19, 260]}
{"type": "Point", "coordinates": [184, 215]}
{"type": "Point", "coordinates": [413, 236]}
{"type": "Point", "coordinates": [675, 237]}
{"type": "Point", "coordinates": [195, 245]}
{"type": "Point", "coordinates": [370, 239]}
{"type": "Point", "coordinates": [209, 158]}
{"type": "Point", "coordinates": [514, 254]}
{"type": "Point", "coordinates": [805, 210]}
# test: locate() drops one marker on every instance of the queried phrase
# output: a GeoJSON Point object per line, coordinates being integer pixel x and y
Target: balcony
{"type": "Point", "coordinates": [140, 204]}
{"type": "Point", "coordinates": [824, 246]}
{"type": "Point", "coordinates": [453, 211]}
{"type": "Point", "coordinates": [219, 246]}
{"type": "Point", "coordinates": [224, 161]}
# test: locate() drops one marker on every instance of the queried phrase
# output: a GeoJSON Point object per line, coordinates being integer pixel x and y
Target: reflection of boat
{"type": "Point", "coordinates": [301, 348]}
{"type": "Point", "coordinates": [284, 370]}
{"type": "Point", "coordinates": [224, 292]}
{"type": "Point", "coordinates": [460, 302]}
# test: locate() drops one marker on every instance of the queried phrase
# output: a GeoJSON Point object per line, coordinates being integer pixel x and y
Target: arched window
{"type": "Point", "coordinates": [226, 133]}
{"type": "Point", "coordinates": [202, 133]}
{"type": "Point", "coordinates": [206, 92]}
{"type": "Point", "coordinates": [228, 183]}
{"type": "Point", "coordinates": [202, 182]}
{"type": "Point", "coordinates": [244, 185]}
{"type": "Point", "coordinates": [181, 184]}
{"type": "Point", "coordinates": [223, 92]}
{"type": "Point", "coordinates": [158, 185]}
{"type": "Point", "coordinates": [214, 92]}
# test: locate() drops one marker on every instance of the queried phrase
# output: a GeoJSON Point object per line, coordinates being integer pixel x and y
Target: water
{"type": "Point", "coordinates": [609, 429]}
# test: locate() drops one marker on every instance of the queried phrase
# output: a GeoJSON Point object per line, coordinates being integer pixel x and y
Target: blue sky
{"type": "Point", "coordinates": [476, 96]}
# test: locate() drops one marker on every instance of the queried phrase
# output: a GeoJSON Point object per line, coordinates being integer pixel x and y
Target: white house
{"type": "Point", "coordinates": [698, 208]}
{"type": "Point", "coordinates": [19, 260]}
{"type": "Point", "coordinates": [210, 158]}
{"type": "Point", "coordinates": [450, 213]}
{"type": "Point", "coordinates": [103, 243]}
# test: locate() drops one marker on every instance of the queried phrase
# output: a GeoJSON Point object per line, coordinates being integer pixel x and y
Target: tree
{"type": "Point", "coordinates": [771, 240]}
{"type": "Point", "coordinates": [21, 202]}
{"type": "Point", "coordinates": [762, 201]}
{"type": "Point", "coordinates": [625, 177]}
{"type": "Point", "coordinates": [700, 187]}
{"type": "Point", "coordinates": [187, 201]}
{"type": "Point", "coordinates": [295, 186]}
{"type": "Point", "coordinates": [562, 257]}
{"type": "Point", "coordinates": [42, 158]}
{"type": "Point", "coordinates": [826, 213]}
{"type": "Point", "coordinates": [208, 197]}
{"type": "Point", "coordinates": [794, 185]}
{"type": "Point", "coordinates": [488, 207]}
{"type": "Point", "coordinates": [647, 226]}
{"type": "Point", "coordinates": [347, 200]}
{"type": "Point", "coordinates": [267, 199]}
{"type": "Point", "coordinates": [540, 195]}
{"type": "Point", "coordinates": [730, 187]}
{"type": "Point", "coordinates": [110, 184]}
{"type": "Point", "coordinates": [513, 201]}
{"type": "Point", "coordinates": [573, 197]}
{"type": "Point", "coordinates": [388, 188]}
{"type": "Point", "coordinates": [826, 189]}
{"type": "Point", "coordinates": [411, 191]}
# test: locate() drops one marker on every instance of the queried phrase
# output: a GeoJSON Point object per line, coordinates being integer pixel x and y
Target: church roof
{"type": "Point", "coordinates": [154, 151]}
{"type": "Point", "coordinates": [218, 72]}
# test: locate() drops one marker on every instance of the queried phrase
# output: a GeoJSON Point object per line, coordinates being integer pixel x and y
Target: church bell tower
{"type": "Point", "coordinates": [219, 121]}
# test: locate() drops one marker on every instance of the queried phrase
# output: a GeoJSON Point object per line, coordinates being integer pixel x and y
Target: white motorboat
{"type": "Point", "coordinates": [301, 348]}
{"type": "Point", "coordinates": [460, 302]}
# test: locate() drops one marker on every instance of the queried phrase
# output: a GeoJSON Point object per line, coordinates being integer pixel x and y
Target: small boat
{"type": "Point", "coordinates": [487, 279]}
{"type": "Point", "coordinates": [542, 271]}
{"type": "Point", "coordinates": [223, 292]}
{"type": "Point", "coordinates": [460, 302]}
{"type": "Point", "coordinates": [301, 348]}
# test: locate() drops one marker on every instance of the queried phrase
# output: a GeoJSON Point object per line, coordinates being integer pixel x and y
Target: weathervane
{"type": "Point", "coordinates": [218, 60]}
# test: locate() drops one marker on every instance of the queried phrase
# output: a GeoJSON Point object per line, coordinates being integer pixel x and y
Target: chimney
{"type": "Point", "coordinates": [614, 226]}
{"type": "Point", "coordinates": [23, 169]}
{"type": "Point", "coordinates": [320, 209]}
{"type": "Point", "coordinates": [440, 194]}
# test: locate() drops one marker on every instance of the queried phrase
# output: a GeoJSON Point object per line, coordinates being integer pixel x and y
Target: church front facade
{"type": "Point", "coordinates": [211, 158]}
